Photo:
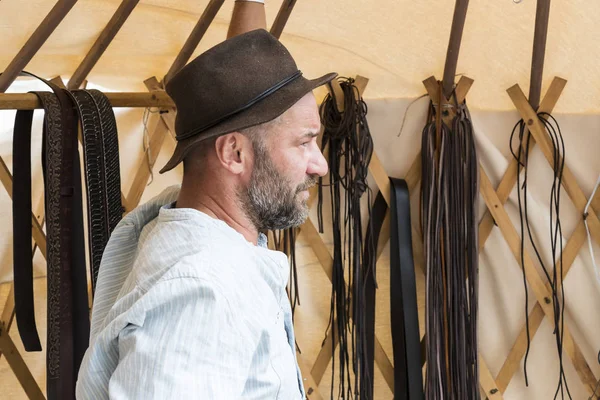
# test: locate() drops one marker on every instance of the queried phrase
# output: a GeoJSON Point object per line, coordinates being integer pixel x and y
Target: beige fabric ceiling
{"type": "Point", "coordinates": [395, 43]}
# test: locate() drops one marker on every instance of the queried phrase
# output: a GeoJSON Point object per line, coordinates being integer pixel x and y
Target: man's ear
{"type": "Point", "coordinates": [234, 152]}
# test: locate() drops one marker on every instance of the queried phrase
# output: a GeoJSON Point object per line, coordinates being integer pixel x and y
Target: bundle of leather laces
{"type": "Point", "coordinates": [558, 294]}
{"type": "Point", "coordinates": [350, 148]}
{"type": "Point", "coordinates": [449, 193]}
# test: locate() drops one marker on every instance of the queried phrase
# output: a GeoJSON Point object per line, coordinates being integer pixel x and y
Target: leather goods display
{"type": "Point", "coordinates": [103, 181]}
{"type": "Point", "coordinates": [521, 154]}
{"type": "Point", "coordinates": [350, 147]}
{"type": "Point", "coordinates": [449, 194]}
{"type": "Point", "coordinates": [68, 325]}
{"type": "Point", "coordinates": [408, 381]}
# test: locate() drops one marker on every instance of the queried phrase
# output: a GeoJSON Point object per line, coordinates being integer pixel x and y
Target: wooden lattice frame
{"type": "Point", "coordinates": [493, 387]}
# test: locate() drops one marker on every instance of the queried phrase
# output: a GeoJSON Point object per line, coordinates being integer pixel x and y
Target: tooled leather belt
{"type": "Point", "coordinates": [68, 310]}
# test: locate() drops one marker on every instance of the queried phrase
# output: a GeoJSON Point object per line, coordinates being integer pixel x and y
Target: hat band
{"type": "Point", "coordinates": [255, 100]}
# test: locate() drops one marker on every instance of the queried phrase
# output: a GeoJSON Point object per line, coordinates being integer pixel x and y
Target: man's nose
{"type": "Point", "coordinates": [317, 164]}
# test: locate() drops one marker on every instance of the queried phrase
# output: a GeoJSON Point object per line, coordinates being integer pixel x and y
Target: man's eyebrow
{"type": "Point", "coordinates": [311, 134]}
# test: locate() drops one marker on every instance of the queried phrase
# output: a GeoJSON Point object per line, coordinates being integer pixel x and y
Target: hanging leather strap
{"type": "Point", "coordinates": [370, 258]}
{"type": "Point", "coordinates": [102, 173]}
{"type": "Point", "coordinates": [408, 381]}
{"type": "Point", "coordinates": [22, 251]}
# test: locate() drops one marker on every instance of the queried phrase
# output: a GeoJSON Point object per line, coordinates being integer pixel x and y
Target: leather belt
{"type": "Point", "coordinates": [68, 311]}
{"type": "Point", "coordinates": [102, 174]}
{"type": "Point", "coordinates": [408, 381]}
{"type": "Point", "coordinates": [22, 251]}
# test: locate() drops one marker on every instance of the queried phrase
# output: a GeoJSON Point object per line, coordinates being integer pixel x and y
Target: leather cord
{"type": "Point", "coordinates": [350, 148]}
{"type": "Point", "coordinates": [449, 193]}
{"type": "Point", "coordinates": [521, 154]}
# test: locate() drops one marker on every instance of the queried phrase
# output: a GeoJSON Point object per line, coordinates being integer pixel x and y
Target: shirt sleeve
{"type": "Point", "coordinates": [189, 345]}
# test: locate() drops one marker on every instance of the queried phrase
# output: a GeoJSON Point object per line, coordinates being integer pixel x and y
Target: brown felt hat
{"type": "Point", "coordinates": [244, 81]}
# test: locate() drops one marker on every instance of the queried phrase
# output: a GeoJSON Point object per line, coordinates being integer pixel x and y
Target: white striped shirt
{"type": "Point", "coordinates": [186, 308]}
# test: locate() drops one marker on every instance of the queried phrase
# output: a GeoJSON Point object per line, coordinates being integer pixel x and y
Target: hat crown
{"type": "Point", "coordinates": [226, 77]}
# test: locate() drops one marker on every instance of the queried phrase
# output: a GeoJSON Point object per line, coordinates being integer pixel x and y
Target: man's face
{"type": "Point", "coordinates": [287, 162]}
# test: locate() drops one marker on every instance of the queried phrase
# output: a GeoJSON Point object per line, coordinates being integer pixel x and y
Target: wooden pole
{"type": "Point", "coordinates": [29, 101]}
{"type": "Point", "coordinates": [458, 23]}
{"type": "Point", "coordinates": [107, 35]}
{"type": "Point", "coordinates": [542, 15]}
{"type": "Point", "coordinates": [35, 42]}
{"type": "Point", "coordinates": [192, 41]}
{"type": "Point", "coordinates": [282, 17]}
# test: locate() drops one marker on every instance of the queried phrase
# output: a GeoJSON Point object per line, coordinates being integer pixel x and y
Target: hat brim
{"type": "Point", "coordinates": [264, 111]}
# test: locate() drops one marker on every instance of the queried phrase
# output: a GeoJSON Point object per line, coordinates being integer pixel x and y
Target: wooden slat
{"type": "Point", "coordinates": [57, 80]}
{"type": "Point", "coordinates": [413, 176]}
{"type": "Point", "coordinates": [157, 138]}
{"type": "Point", "coordinates": [596, 201]}
{"type": "Point", "coordinates": [282, 17]}
{"type": "Point", "coordinates": [324, 357]}
{"type": "Point", "coordinates": [316, 243]}
{"type": "Point", "coordinates": [432, 87]}
{"type": "Point", "coordinates": [487, 382]}
{"type": "Point", "coordinates": [194, 38]}
{"type": "Point", "coordinates": [310, 386]}
{"type": "Point", "coordinates": [17, 364]}
{"type": "Point", "coordinates": [384, 364]}
{"type": "Point", "coordinates": [8, 312]}
{"type": "Point", "coordinates": [533, 278]}
{"type": "Point", "coordinates": [517, 352]}
{"type": "Point", "coordinates": [101, 44]}
{"type": "Point", "coordinates": [462, 88]}
{"type": "Point", "coordinates": [381, 177]}
{"type": "Point", "coordinates": [35, 42]}
{"type": "Point", "coordinates": [29, 101]}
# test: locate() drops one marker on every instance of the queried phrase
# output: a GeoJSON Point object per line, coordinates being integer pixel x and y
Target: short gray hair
{"type": "Point", "coordinates": [257, 134]}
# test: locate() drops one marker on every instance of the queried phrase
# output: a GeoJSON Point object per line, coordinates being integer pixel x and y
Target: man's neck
{"type": "Point", "coordinates": [219, 206]}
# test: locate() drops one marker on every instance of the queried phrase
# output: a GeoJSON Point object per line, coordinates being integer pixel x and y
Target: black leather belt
{"type": "Point", "coordinates": [68, 312]}
{"type": "Point", "coordinates": [68, 320]}
{"type": "Point", "coordinates": [102, 174]}
{"type": "Point", "coordinates": [22, 251]}
{"type": "Point", "coordinates": [408, 381]}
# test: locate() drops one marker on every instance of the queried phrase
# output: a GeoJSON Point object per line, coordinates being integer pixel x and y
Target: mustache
{"type": "Point", "coordinates": [307, 184]}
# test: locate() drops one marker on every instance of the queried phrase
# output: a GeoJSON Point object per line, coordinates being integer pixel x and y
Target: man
{"type": "Point", "coordinates": [190, 303]}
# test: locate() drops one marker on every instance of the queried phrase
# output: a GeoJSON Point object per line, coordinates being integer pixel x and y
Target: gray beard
{"type": "Point", "coordinates": [269, 201]}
